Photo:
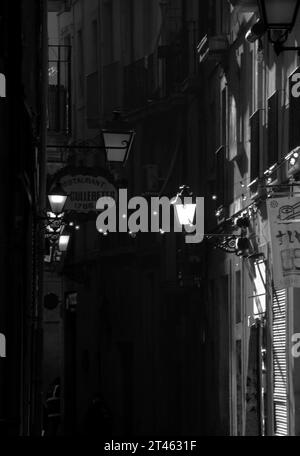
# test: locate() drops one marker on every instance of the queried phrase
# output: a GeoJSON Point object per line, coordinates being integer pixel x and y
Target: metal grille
{"type": "Point", "coordinates": [280, 391]}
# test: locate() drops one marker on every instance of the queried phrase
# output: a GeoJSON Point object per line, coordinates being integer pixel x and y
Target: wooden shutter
{"type": "Point", "coordinates": [255, 141]}
{"type": "Point", "coordinates": [294, 116]}
{"type": "Point", "coordinates": [92, 100]}
{"type": "Point", "coordinates": [273, 130]}
{"type": "Point", "coordinates": [280, 375]}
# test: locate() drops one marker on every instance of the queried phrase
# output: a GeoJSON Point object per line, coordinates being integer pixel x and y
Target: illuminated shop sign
{"type": "Point", "coordinates": [284, 220]}
{"type": "Point", "coordinates": [84, 189]}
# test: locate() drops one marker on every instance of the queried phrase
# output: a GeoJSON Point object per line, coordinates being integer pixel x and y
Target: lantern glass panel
{"type": "Point", "coordinates": [185, 213]}
{"type": "Point", "coordinates": [64, 242]}
{"type": "Point", "coordinates": [279, 14]}
{"type": "Point", "coordinates": [57, 203]}
{"type": "Point", "coordinates": [117, 145]}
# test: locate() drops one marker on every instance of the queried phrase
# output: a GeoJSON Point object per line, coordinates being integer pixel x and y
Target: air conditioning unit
{"type": "Point", "coordinates": [212, 48]}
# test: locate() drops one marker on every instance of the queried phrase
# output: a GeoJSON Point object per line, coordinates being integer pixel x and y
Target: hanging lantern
{"type": "Point", "coordinates": [185, 211]}
{"type": "Point", "coordinates": [118, 137]}
{"type": "Point", "coordinates": [57, 199]}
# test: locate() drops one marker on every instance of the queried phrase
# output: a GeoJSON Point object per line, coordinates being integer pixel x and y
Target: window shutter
{"type": "Point", "coordinates": [280, 385]}
{"type": "Point", "coordinates": [255, 141]}
{"type": "Point", "coordinates": [221, 173]}
{"type": "Point", "coordinates": [294, 117]}
{"type": "Point", "coordinates": [92, 104]}
{"type": "Point", "coordinates": [272, 130]}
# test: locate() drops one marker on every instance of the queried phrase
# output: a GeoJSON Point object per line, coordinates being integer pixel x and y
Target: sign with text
{"type": "Point", "coordinates": [84, 187]}
{"type": "Point", "coordinates": [284, 219]}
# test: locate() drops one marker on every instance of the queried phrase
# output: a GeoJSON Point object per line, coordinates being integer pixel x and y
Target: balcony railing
{"type": "Point", "coordinates": [59, 90]}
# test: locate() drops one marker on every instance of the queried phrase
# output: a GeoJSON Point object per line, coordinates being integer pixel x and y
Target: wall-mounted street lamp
{"type": "Point", "coordinates": [118, 137]}
{"type": "Point", "coordinates": [279, 14]}
{"type": "Point", "coordinates": [232, 243]}
{"type": "Point", "coordinates": [57, 230]}
{"type": "Point", "coordinates": [57, 200]}
{"type": "Point", "coordinates": [279, 17]}
{"type": "Point", "coordinates": [64, 240]}
{"type": "Point", "coordinates": [185, 210]}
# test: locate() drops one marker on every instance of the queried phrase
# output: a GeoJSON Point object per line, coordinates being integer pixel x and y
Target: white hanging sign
{"type": "Point", "coordinates": [284, 220]}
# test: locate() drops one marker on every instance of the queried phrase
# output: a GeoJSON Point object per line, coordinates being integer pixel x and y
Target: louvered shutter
{"type": "Point", "coordinates": [280, 384]}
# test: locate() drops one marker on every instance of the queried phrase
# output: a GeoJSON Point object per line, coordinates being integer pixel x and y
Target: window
{"type": "Point", "coordinates": [129, 30]}
{"type": "Point", "coordinates": [80, 63]}
{"type": "Point", "coordinates": [220, 175]}
{"type": "Point", "coordinates": [224, 117]}
{"type": "Point", "coordinates": [220, 135]}
{"type": "Point", "coordinates": [255, 143]}
{"type": "Point", "coordinates": [95, 44]}
{"type": "Point", "coordinates": [239, 388]}
{"type": "Point", "coordinates": [259, 295]}
{"type": "Point", "coordinates": [92, 101]}
{"type": "Point", "coordinates": [108, 33]}
{"type": "Point", "coordinates": [148, 17]}
{"type": "Point", "coordinates": [273, 103]}
{"type": "Point", "coordinates": [238, 297]}
{"type": "Point", "coordinates": [233, 127]}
